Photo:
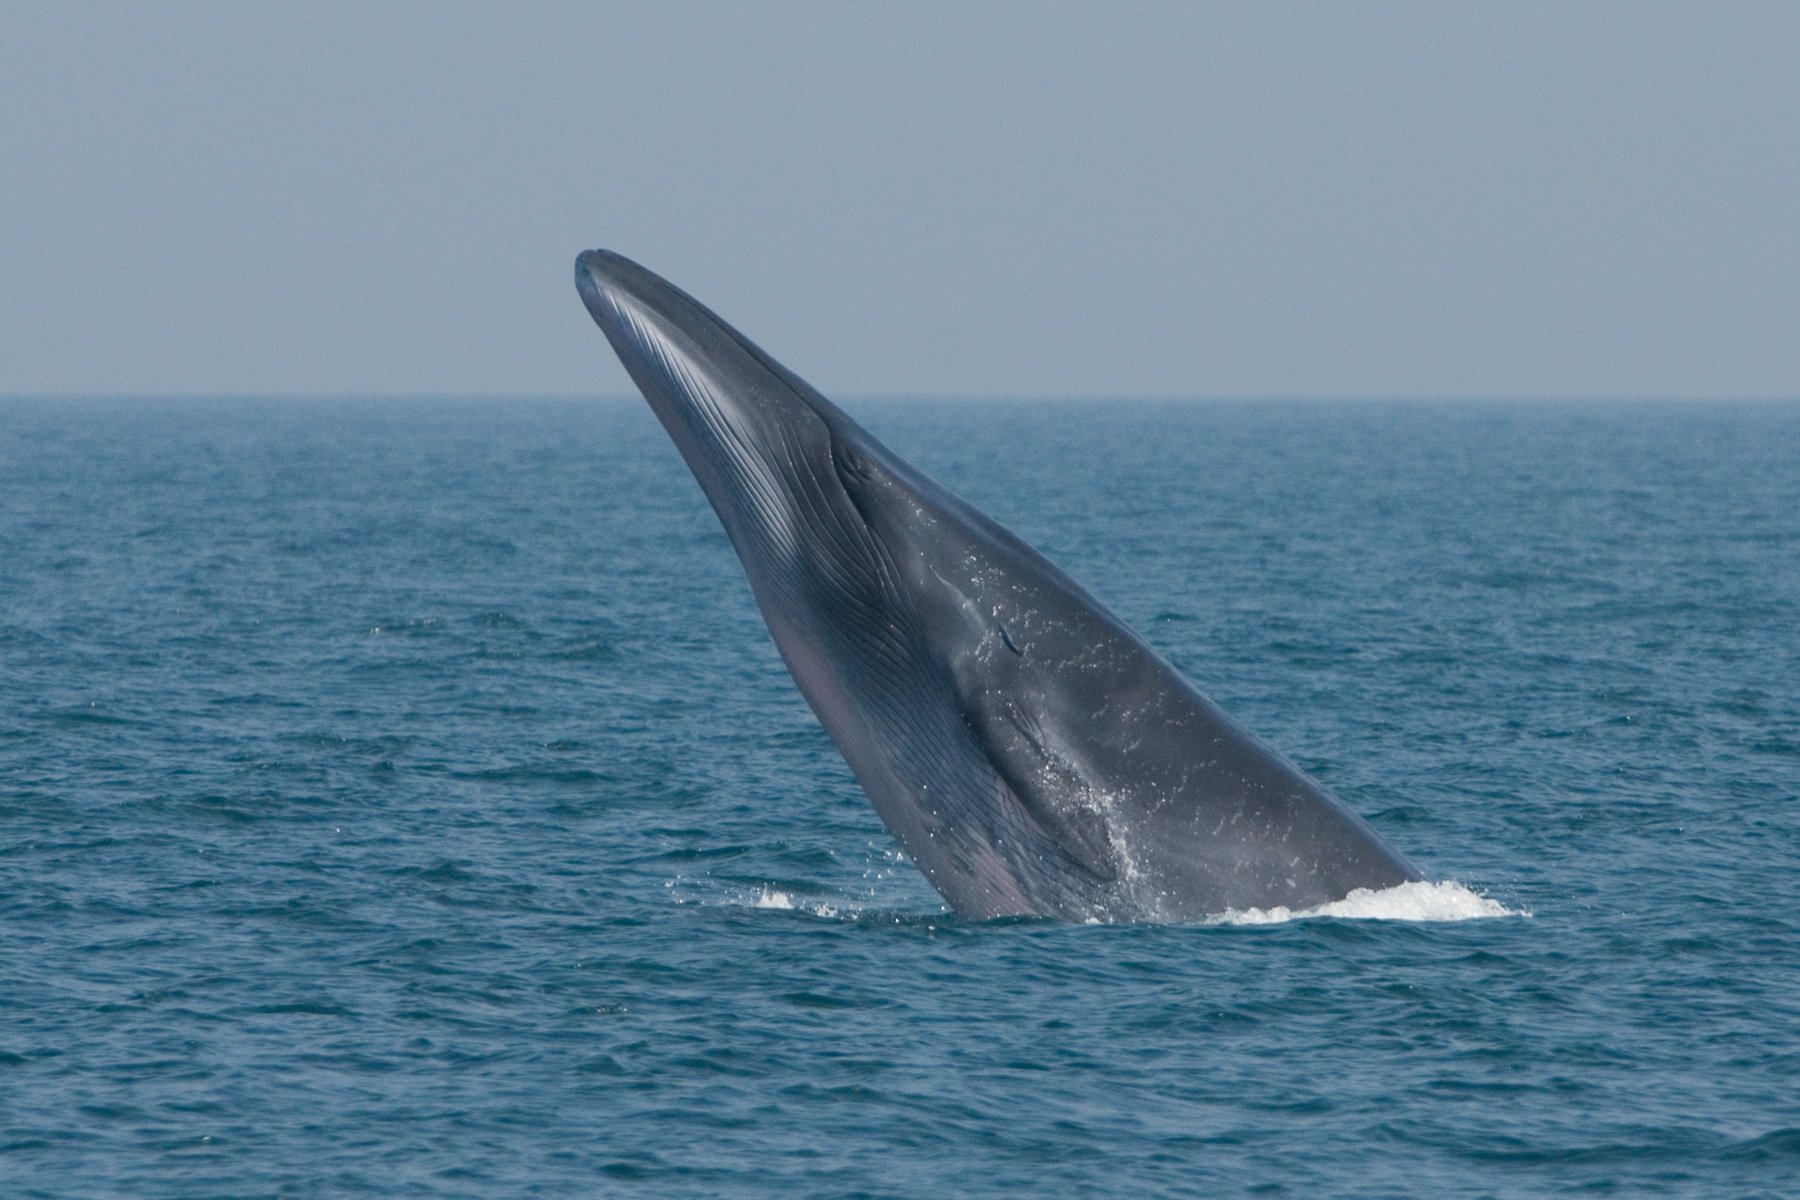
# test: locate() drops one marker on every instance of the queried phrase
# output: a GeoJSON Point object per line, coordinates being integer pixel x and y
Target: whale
{"type": "Point", "coordinates": [1032, 755]}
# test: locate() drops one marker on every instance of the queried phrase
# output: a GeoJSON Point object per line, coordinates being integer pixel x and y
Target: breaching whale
{"type": "Point", "coordinates": [1031, 753]}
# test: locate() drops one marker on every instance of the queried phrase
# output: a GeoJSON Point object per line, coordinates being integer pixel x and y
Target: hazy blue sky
{"type": "Point", "coordinates": [1095, 199]}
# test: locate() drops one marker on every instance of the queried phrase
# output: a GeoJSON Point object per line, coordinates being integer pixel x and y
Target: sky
{"type": "Point", "coordinates": [986, 199]}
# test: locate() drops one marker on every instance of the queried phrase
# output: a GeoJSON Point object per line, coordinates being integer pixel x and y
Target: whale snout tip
{"type": "Point", "coordinates": [604, 278]}
{"type": "Point", "coordinates": [590, 268]}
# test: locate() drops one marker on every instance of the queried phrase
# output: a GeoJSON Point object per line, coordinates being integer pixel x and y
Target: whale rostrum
{"type": "Point", "coordinates": [1032, 755]}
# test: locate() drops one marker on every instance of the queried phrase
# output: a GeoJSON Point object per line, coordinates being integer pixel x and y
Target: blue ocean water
{"type": "Point", "coordinates": [405, 799]}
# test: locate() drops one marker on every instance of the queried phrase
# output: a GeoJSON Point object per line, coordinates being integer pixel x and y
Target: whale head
{"type": "Point", "coordinates": [791, 477]}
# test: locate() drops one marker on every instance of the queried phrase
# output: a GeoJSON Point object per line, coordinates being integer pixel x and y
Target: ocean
{"type": "Point", "coordinates": [405, 799]}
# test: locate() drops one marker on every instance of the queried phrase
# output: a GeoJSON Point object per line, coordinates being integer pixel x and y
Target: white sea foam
{"type": "Point", "coordinates": [1421, 901]}
{"type": "Point", "coordinates": [769, 897]}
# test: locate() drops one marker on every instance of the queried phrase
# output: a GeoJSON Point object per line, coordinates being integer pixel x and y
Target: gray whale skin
{"type": "Point", "coordinates": [1032, 754]}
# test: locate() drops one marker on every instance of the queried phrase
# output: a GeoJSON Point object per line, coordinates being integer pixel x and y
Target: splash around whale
{"type": "Point", "coordinates": [1419, 901]}
{"type": "Point", "coordinates": [1031, 754]}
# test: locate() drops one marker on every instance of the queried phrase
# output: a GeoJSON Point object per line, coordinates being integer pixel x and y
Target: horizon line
{"type": "Point", "coordinates": [912, 397]}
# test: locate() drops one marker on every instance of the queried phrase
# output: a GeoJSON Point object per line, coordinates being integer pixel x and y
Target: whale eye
{"type": "Point", "coordinates": [850, 462]}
